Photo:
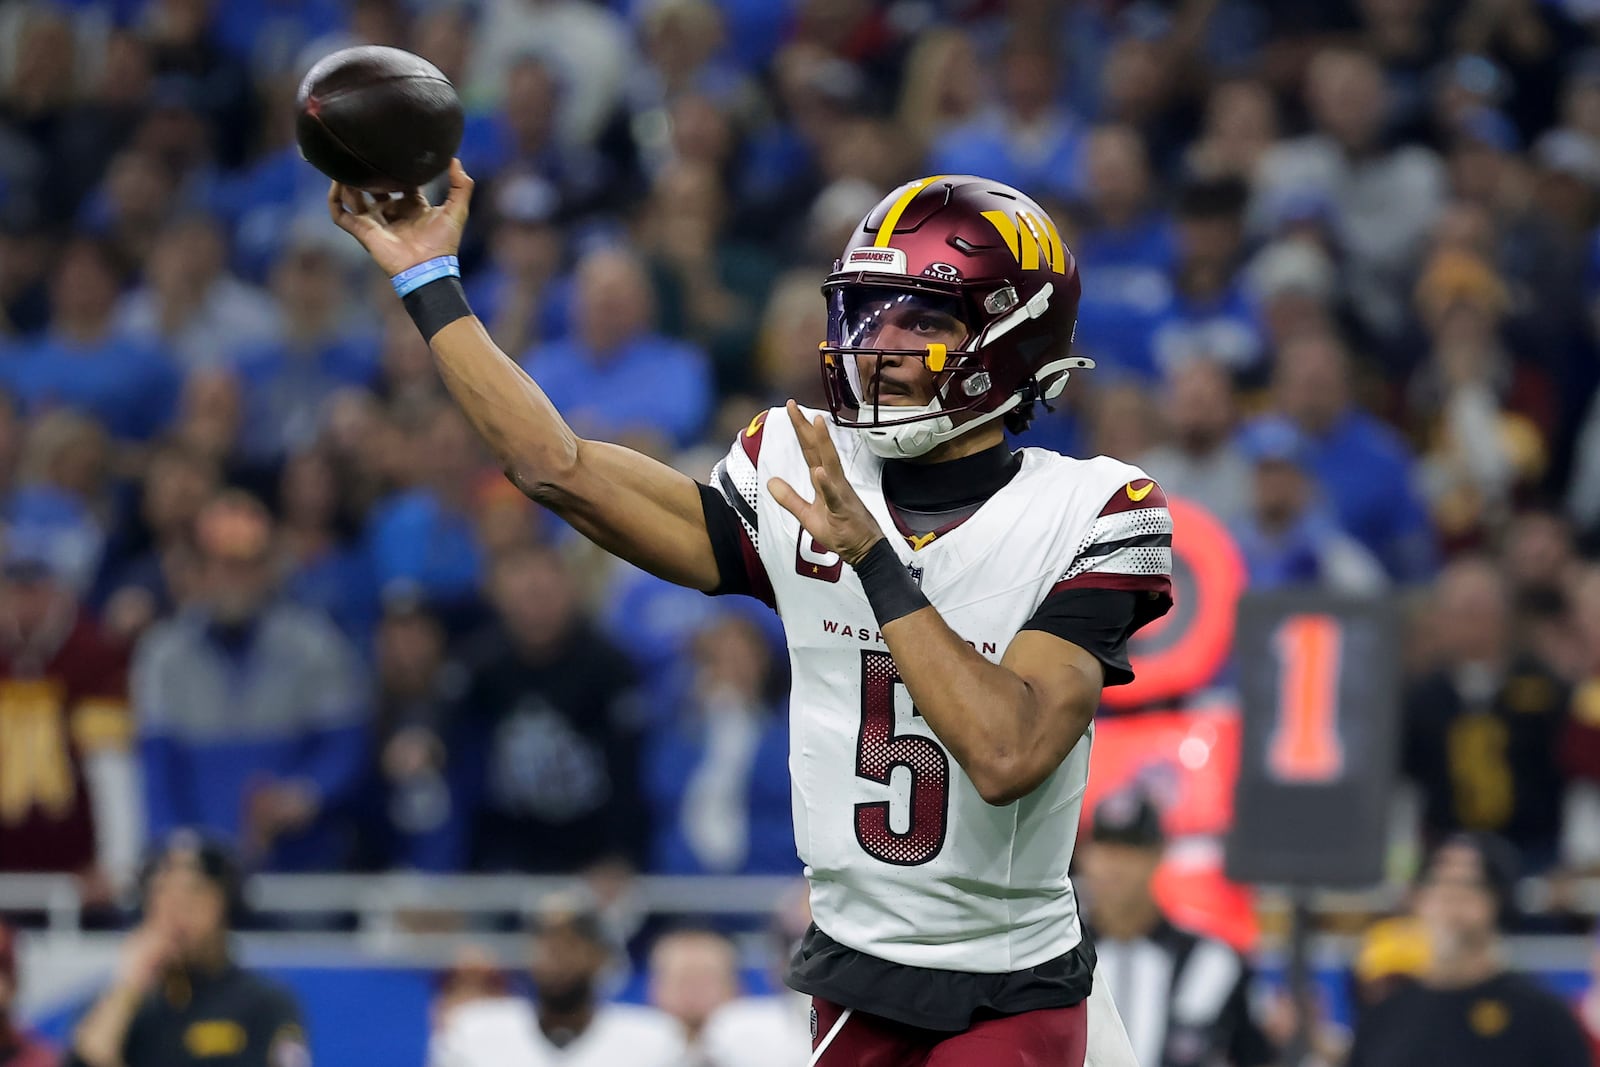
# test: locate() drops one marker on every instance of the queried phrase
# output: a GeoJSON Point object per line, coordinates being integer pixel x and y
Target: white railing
{"type": "Point", "coordinates": [382, 902]}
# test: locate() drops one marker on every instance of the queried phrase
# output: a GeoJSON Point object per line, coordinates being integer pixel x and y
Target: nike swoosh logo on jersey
{"type": "Point", "coordinates": [1137, 495]}
{"type": "Point", "coordinates": [755, 425]}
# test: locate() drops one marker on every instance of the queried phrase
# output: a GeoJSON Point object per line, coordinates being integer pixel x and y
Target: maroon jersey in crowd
{"type": "Point", "coordinates": [63, 696]}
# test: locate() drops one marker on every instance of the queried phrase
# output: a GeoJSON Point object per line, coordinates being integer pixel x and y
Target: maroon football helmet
{"type": "Point", "coordinates": [962, 246]}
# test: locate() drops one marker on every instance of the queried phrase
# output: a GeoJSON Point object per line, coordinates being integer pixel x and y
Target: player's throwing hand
{"type": "Point", "coordinates": [402, 233]}
{"type": "Point", "coordinates": [835, 517]}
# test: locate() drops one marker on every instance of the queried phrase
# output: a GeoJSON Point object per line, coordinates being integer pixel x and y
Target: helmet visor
{"type": "Point", "coordinates": [875, 321]}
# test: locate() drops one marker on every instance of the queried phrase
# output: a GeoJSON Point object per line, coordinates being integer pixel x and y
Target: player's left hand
{"type": "Point", "coordinates": [835, 516]}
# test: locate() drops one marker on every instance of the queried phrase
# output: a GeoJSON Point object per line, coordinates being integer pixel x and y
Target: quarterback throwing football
{"type": "Point", "coordinates": [953, 608]}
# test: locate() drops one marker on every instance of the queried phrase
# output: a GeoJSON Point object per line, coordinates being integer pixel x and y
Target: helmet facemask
{"type": "Point", "coordinates": [864, 398]}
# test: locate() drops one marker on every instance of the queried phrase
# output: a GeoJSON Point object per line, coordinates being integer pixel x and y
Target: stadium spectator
{"type": "Point", "coordinates": [287, 382]}
{"type": "Point", "coordinates": [1201, 460]}
{"type": "Point", "coordinates": [442, 34]}
{"type": "Point", "coordinates": [1467, 1008]}
{"type": "Point", "coordinates": [413, 814]}
{"type": "Point", "coordinates": [68, 781]}
{"type": "Point", "coordinates": [504, 519]}
{"type": "Point", "coordinates": [1580, 743]}
{"type": "Point", "coordinates": [178, 481]}
{"type": "Point", "coordinates": [1210, 317]}
{"type": "Point", "coordinates": [12, 429]}
{"type": "Point", "coordinates": [942, 86]}
{"type": "Point", "coordinates": [1125, 253]}
{"type": "Point", "coordinates": [1294, 286]}
{"type": "Point", "coordinates": [194, 42]}
{"type": "Point", "coordinates": [773, 1029]}
{"type": "Point", "coordinates": [591, 66]}
{"type": "Point", "coordinates": [1482, 726]}
{"type": "Point", "coordinates": [1025, 138]}
{"type": "Point", "coordinates": [519, 289]}
{"type": "Point", "coordinates": [566, 1022]}
{"type": "Point", "coordinates": [18, 1047]}
{"type": "Point", "coordinates": [1545, 577]}
{"type": "Point", "coordinates": [189, 305]}
{"type": "Point", "coordinates": [1288, 537]}
{"type": "Point", "coordinates": [81, 139]}
{"type": "Point", "coordinates": [654, 622]}
{"type": "Point", "coordinates": [130, 205]}
{"type": "Point", "coordinates": [1385, 198]}
{"type": "Point", "coordinates": [710, 284]}
{"type": "Point", "coordinates": [179, 997]}
{"type": "Point", "coordinates": [424, 535]}
{"type": "Point", "coordinates": [407, 380]}
{"type": "Point", "coordinates": [1240, 126]}
{"type": "Point", "coordinates": [717, 773]}
{"type": "Point", "coordinates": [683, 44]}
{"type": "Point", "coordinates": [324, 569]}
{"type": "Point", "coordinates": [549, 729]}
{"type": "Point", "coordinates": [24, 262]}
{"type": "Point", "coordinates": [1485, 450]}
{"type": "Point", "coordinates": [1363, 468]}
{"type": "Point", "coordinates": [1184, 997]}
{"type": "Point", "coordinates": [693, 973]}
{"type": "Point", "coordinates": [251, 710]}
{"type": "Point", "coordinates": [81, 362]}
{"type": "Point", "coordinates": [211, 416]}
{"type": "Point", "coordinates": [66, 493]}
{"type": "Point", "coordinates": [613, 376]}
{"type": "Point", "coordinates": [786, 342]}
{"type": "Point", "coordinates": [1539, 552]}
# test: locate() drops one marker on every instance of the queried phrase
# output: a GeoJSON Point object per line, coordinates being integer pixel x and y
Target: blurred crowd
{"type": "Point", "coordinates": [1341, 279]}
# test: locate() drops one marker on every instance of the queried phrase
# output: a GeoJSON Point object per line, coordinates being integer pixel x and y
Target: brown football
{"type": "Point", "coordinates": [378, 118]}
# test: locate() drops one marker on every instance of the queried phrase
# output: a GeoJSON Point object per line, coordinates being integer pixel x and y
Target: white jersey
{"type": "Point", "coordinates": [504, 1032]}
{"type": "Point", "coordinates": [907, 862]}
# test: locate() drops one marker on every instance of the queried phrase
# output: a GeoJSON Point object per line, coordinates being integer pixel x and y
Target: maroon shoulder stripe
{"type": "Point", "coordinates": [1136, 583]}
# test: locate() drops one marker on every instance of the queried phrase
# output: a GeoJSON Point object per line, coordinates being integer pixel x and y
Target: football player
{"type": "Point", "coordinates": [952, 608]}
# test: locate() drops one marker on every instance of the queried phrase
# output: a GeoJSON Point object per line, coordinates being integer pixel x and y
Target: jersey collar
{"type": "Point", "coordinates": [951, 484]}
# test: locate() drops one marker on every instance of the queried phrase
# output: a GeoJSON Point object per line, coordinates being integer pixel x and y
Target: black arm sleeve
{"type": "Point", "coordinates": [1099, 621]}
{"type": "Point", "coordinates": [727, 538]}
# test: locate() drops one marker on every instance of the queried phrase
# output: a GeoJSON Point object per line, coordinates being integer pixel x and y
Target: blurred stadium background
{"type": "Point", "coordinates": [1341, 274]}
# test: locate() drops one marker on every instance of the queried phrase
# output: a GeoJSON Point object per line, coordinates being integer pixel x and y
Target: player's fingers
{"type": "Point", "coordinates": [409, 206]}
{"type": "Point", "coordinates": [787, 498]}
{"type": "Point", "coordinates": [802, 433]}
{"type": "Point", "coordinates": [350, 222]}
{"type": "Point", "coordinates": [455, 205]}
{"type": "Point", "coordinates": [826, 454]}
{"type": "Point", "coordinates": [828, 488]}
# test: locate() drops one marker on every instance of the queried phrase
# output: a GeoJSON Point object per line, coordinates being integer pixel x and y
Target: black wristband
{"type": "Point", "coordinates": [888, 585]}
{"type": "Point", "coordinates": [436, 305]}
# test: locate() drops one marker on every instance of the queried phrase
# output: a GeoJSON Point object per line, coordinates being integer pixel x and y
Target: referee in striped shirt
{"type": "Point", "coordinates": [1184, 997]}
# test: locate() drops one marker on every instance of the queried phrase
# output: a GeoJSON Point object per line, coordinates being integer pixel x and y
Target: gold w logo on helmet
{"type": "Point", "coordinates": [1032, 239]}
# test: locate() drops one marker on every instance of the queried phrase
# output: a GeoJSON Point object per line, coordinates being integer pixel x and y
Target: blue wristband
{"type": "Point", "coordinates": [414, 278]}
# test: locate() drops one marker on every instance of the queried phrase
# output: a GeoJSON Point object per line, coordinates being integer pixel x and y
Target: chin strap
{"type": "Point", "coordinates": [919, 438]}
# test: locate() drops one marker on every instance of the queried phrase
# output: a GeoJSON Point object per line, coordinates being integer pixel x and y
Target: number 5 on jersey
{"type": "Point", "coordinates": [879, 750]}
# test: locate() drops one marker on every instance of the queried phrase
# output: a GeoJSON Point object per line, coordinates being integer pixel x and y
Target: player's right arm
{"type": "Point", "coordinates": [627, 503]}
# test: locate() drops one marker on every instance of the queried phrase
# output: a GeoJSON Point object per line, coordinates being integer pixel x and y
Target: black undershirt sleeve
{"type": "Point", "coordinates": [1099, 621]}
{"type": "Point", "coordinates": [727, 537]}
